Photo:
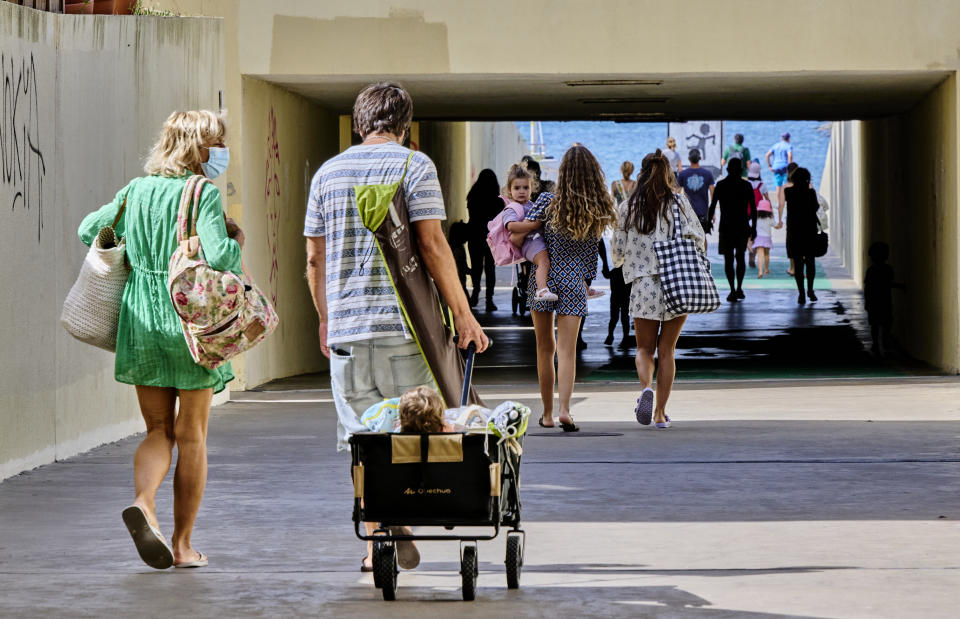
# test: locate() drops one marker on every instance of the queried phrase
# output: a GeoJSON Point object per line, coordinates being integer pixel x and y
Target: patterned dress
{"type": "Point", "coordinates": [572, 262]}
{"type": "Point", "coordinates": [634, 251]}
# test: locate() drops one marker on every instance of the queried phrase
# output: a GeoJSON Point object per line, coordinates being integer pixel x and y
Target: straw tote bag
{"type": "Point", "coordinates": [688, 286]}
{"type": "Point", "coordinates": [91, 310]}
{"type": "Point", "coordinates": [222, 314]}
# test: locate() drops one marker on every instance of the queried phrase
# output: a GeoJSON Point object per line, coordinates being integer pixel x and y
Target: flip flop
{"type": "Point", "coordinates": [407, 554]}
{"type": "Point", "coordinates": [569, 427]}
{"type": "Point", "coordinates": [150, 544]}
{"type": "Point", "coordinates": [201, 562]}
{"type": "Point", "coordinates": [543, 425]}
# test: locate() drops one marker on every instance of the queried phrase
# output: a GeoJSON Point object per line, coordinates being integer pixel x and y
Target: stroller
{"type": "Point", "coordinates": [440, 480]}
{"type": "Point", "coordinates": [519, 300]}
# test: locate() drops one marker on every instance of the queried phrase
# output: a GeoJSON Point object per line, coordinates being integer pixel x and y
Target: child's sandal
{"type": "Point", "coordinates": [593, 293]}
{"type": "Point", "coordinates": [544, 294]}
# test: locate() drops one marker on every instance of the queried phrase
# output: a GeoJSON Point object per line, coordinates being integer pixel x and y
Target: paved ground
{"type": "Point", "coordinates": [766, 499]}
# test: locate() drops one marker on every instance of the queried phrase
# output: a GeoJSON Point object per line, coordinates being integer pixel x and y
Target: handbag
{"type": "Point", "coordinates": [688, 286]}
{"type": "Point", "coordinates": [821, 242]}
{"type": "Point", "coordinates": [221, 313]}
{"type": "Point", "coordinates": [91, 310]}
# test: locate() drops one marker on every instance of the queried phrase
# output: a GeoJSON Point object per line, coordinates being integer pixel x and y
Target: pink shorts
{"type": "Point", "coordinates": [533, 245]}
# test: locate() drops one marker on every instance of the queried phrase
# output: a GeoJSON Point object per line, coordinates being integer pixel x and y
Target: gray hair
{"type": "Point", "coordinates": [384, 106]}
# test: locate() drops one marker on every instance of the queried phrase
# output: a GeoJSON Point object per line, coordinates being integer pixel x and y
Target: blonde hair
{"type": "Point", "coordinates": [519, 171]}
{"type": "Point", "coordinates": [421, 410]}
{"type": "Point", "coordinates": [177, 150]}
{"type": "Point", "coordinates": [626, 168]}
{"type": "Point", "coordinates": [581, 207]}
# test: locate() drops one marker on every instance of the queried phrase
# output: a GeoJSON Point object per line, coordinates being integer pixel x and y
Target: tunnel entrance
{"type": "Point", "coordinates": [897, 151]}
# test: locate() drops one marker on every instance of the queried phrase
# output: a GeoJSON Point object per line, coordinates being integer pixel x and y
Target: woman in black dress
{"type": "Point", "coordinates": [802, 230]}
{"type": "Point", "coordinates": [483, 204]}
{"type": "Point", "coordinates": [738, 223]}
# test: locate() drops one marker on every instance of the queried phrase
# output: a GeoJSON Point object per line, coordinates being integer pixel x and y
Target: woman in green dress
{"type": "Point", "coordinates": [151, 351]}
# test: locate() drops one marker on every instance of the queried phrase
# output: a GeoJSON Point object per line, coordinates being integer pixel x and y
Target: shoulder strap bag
{"type": "Point", "coordinates": [383, 210]}
{"type": "Point", "coordinates": [221, 313]}
{"type": "Point", "coordinates": [688, 286]}
{"type": "Point", "coordinates": [91, 311]}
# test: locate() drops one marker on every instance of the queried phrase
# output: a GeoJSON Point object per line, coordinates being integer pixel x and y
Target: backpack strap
{"type": "Point", "coordinates": [187, 237]}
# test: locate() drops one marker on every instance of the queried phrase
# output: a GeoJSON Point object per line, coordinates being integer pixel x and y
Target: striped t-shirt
{"type": "Point", "coordinates": [361, 303]}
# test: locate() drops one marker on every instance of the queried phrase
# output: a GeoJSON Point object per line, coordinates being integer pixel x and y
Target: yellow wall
{"type": "Point", "coordinates": [911, 202]}
{"type": "Point", "coordinates": [896, 180]}
{"type": "Point", "coordinates": [573, 36]}
{"type": "Point", "coordinates": [285, 139]}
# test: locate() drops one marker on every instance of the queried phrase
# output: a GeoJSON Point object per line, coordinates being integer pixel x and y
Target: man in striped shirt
{"type": "Point", "coordinates": [372, 356]}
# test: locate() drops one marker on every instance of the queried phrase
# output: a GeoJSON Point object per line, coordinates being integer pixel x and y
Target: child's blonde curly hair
{"type": "Point", "coordinates": [421, 410]}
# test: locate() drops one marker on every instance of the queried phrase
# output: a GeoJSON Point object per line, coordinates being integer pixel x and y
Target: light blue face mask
{"type": "Point", "coordinates": [217, 163]}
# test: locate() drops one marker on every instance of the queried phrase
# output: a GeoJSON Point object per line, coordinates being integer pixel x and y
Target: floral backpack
{"type": "Point", "coordinates": [222, 314]}
{"type": "Point", "coordinates": [504, 252]}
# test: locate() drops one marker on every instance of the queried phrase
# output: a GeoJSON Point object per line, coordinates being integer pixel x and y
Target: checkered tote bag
{"type": "Point", "coordinates": [688, 286]}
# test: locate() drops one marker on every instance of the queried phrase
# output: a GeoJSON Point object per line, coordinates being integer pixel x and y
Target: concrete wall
{"type": "Point", "coordinates": [83, 99]}
{"type": "Point", "coordinates": [442, 37]}
{"type": "Point", "coordinates": [841, 186]}
{"type": "Point", "coordinates": [495, 145]}
{"type": "Point", "coordinates": [911, 201]}
{"type": "Point", "coordinates": [285, 140]}
{"type": "Point", "coordinates": [896, 180]}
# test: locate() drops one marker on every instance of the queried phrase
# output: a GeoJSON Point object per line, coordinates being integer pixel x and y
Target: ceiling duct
{"type": "Point", "coordinates": [577, 83]}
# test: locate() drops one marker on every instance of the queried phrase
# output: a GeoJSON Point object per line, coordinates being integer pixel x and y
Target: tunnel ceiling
{"type": "Point", "coordinates": [814, 96]}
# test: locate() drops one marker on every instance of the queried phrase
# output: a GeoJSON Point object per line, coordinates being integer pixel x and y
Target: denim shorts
{"type": "Point", "coordinates": [367, 372]}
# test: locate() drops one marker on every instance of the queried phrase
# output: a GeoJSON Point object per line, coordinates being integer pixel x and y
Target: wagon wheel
{"type": "Point", "coordinates": [385, 569]}
{"type": "Point", "coordinates": [514, 561]}
{"type": "Point", "coordinates": [468, 572]}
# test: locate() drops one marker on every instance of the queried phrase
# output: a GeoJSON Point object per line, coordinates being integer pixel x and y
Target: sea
{"type": "Point", "coordinates": [613, 143]}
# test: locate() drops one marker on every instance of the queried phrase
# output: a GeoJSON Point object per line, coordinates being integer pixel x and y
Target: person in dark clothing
{"type": "Point", "coordinates": [533, 166]}
{"type": "Point", "coordinates": [877, 284]}
{"type": "Point", "coordinates": [738, 224]}
{"type": "Point", "coordinates": [483, 204]}
{"type": "Point", "coordinates": [802, 206]}
{"type": "Point", "coordinates": [457, 236]}
{"type": "Point", "coordinates": [619, 297]}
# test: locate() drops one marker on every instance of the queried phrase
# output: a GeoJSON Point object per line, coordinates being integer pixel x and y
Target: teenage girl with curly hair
{"type": "Point", "coordinates": [572, 220]}
{"type": "Point", "coordinates": [642, 220]}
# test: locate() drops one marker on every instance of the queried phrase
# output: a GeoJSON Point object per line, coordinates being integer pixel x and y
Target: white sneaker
{"type": "Point", "coordinates": [544, 294]}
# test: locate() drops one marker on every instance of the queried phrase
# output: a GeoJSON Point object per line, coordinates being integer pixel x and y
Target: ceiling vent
{"type": "Point", "coordinates": [640, 100]}
{"type": "Point", "coordinates": [576, 83]}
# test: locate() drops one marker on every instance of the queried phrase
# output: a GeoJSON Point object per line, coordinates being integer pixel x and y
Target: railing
{"type": "Point", "coordinates": [80, 7]}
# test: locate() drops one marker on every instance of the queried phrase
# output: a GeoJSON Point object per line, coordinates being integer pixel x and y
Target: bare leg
{"type": "Point", "coordinates": [542, 260]}
{"type": "Point", "coordinates": [151, 462]}
{"type": "Point", "coordinates": [646, 332]}
{"type": "Point", "coordinates": [546, 348]}
{"type": "Point", "coordinates": [568, 328]}
{"type": "Point", "coordinates": [666, 365]}
{"type": "Point", "coordinates": [190, 478]}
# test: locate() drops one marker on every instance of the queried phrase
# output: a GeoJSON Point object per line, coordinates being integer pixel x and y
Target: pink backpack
{"type": "Point", "coordinates": [504, 252]}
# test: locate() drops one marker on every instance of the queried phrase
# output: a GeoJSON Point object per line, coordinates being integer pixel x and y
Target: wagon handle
{"type": "Point", "coordinates": [468, 369]}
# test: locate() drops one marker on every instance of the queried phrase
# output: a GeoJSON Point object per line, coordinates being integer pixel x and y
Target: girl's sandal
{"type": "Point", "coordinates": [545, 294]}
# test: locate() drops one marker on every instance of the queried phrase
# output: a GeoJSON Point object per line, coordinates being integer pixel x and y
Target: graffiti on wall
{"type": "Point", "coordinates": [272, 197]}
{"type": "Point", "coordinates": [23, 167]}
